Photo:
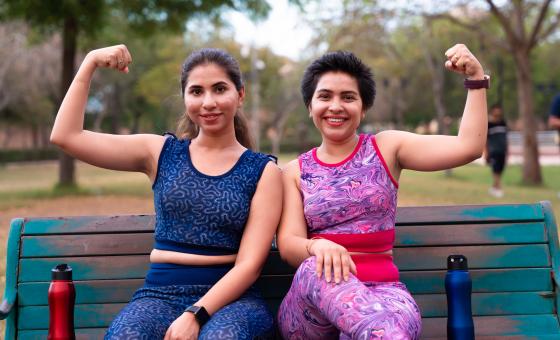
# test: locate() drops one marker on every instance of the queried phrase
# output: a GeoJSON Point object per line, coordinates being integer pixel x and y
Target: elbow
{"type": "Point", "coordinates": [55, 139]}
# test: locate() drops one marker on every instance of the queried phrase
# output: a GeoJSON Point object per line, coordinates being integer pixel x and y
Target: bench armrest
{"type": "Point", "coordinates": [12, 259]}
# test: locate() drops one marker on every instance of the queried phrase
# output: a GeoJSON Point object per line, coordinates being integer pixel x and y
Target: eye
{"type": "Point", "coordinates": [221, 89]}
{"type": "Point", "coordinates": [195, 91]}
{"type": "Point", "coordinates": [323, 96]}
{"type": "Point", "coordinates": [349, 97]}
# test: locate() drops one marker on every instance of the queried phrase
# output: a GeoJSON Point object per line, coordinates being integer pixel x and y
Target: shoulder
{"type": "Point", "coordinates": [292, 169]}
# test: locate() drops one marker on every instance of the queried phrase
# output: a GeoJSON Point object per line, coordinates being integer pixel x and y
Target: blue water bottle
{"type": "Point", "coordinates": [458, 287]}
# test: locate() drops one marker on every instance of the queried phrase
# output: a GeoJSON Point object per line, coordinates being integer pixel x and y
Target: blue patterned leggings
{"type": "Point", "coordinates": [152, 310]}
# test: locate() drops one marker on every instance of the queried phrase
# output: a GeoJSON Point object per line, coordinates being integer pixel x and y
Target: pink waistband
{"type": "Point", "coordinates": [370, 267]}
{"type": "Point", "coordinates": [364, 243]}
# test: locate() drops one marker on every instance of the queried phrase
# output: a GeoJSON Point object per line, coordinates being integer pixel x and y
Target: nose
{"type": "Point", "coordinates": [208, 101]}
{"type": "Point", "coordinates": [335, 106]}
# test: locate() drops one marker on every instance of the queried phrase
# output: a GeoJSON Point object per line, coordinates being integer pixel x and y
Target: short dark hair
{"type": "Point", "coordinates": [339, 61]}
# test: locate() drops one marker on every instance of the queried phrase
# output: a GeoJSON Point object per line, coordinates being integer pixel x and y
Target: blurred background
{"type": "Point", "coordinates": [43, 42]}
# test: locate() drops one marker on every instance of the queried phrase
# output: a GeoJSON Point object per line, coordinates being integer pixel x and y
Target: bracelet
{"type": "Point", "coordinates": [310, 243]}
{"type": "Point", "coordinates": [477, 84]}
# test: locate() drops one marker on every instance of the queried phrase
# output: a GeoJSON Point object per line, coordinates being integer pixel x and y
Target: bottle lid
{"type": "Point", "coordinates": [457, 262]}
{"type": "Point", "coordinates": [62, 272]}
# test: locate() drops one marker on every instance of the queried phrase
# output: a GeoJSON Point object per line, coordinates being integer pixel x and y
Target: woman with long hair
{"type": "Point", "coordinates": [217, 203]}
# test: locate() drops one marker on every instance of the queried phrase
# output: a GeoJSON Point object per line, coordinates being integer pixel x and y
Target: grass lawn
{"type": "Point", "coordinates": [27, 190]}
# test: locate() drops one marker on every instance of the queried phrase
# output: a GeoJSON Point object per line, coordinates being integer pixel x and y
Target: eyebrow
{"type": "Point", "coordinates": [330, 91]}
{"type": "Point", "coordinates": [220, 83]}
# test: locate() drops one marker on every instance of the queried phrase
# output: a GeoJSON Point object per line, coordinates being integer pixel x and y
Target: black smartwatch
{"type": "Point", "coordinates": [200, 314]}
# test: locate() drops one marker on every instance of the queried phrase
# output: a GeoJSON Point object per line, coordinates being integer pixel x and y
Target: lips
{"type": "Point", "coordinates": [210, 117]}
{"type": "Point", "coordinates": [335, 121]}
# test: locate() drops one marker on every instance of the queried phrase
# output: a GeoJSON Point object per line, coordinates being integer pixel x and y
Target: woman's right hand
{"type": "Point", "coordinates": [331, 258]}
{"type": "Point", "coordinates": [116, 57]}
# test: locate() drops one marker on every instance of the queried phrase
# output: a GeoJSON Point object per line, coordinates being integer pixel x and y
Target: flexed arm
{"type": "Point", "coordinates": [132, 153]}
{"type": "Point", "coordinates": [428, 153]}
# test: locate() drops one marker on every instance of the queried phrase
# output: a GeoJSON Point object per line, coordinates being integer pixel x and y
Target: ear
{"type": "Point", "coordinates": [309, 110]}
{"type": "Point", "coordinates": [241, 93]}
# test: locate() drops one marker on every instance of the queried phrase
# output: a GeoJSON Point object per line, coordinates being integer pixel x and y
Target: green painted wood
{"type": "Point", "coordinates": [85, 316]}
{"type": "Point", "coordinates": [9, 309]}
{"type": "Point", "coordinates": [471, 234]}
{"type": "Point", "coordinates": [425, 258]}
{"type": "Point", "coordinates": [554, 245]}
{"type": "Point", "coordinates": [86, 268]}
{"type": "Point", "coordinates": [498, 325]}
{"type": "Point", "coordinates": [81, 334]}
{"type": "Point", "coordinates": [78, 245]}
{"type": "Point", "coordinates": [101, 291]}
{"type": "Point", "coordinates": [88, 224]}
{"type": "Point", "coordinates": [499, 256]}
{"type": "Point", "coordinates": [483, 281]}
{"type": "Point", "coordinates": [464, 214]}
{"type": "Point", "coordinates": [511, 303]}
{"type": "Point", "coordinates": [276, 286]}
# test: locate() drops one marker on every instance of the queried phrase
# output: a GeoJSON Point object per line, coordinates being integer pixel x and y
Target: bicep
{"type": "Point", "coordinates": [264, 215]}
{"type": "Point", "coordinates": [432, 152]}
{"type": "Point", "coordinates": [117, 152]}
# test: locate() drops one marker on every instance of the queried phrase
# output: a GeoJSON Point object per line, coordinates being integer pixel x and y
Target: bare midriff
{"type": "Point", "coordinates": [175, 257]}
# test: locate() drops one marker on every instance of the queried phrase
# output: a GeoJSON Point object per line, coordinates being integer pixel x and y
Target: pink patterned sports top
{"type": "Point", "coordinates": [353, 203]}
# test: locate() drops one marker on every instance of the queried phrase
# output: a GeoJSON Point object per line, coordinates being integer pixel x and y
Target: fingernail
{"type": "Point", "coordinates": [346, 278]}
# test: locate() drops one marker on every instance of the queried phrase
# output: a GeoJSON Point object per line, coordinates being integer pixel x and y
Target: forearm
{"type": "Point", "coordinates": [229, 288]}
{"type": "Point", "coordinates": [70, 117]}
{"type": "Point", "coordinates": [474, 124]}
{"type": "Point", "coordinates": [293, 249]}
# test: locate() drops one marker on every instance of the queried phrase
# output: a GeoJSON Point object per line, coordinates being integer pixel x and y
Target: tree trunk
{"type": "Point", "coordinates": [531, 166]}
{"type": "Point", "coordinates": [66, 176]}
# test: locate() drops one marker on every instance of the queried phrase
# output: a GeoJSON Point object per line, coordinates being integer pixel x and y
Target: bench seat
{"type": "Point", "coordinates": [512, 252]}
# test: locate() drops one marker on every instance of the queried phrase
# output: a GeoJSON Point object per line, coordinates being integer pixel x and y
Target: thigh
{"type": "Point", "coordinates": [246, 318]}
{"type": "Point", "coordinates": [389, 312]}
{"type": "Point", "coordinates": [147, 316]}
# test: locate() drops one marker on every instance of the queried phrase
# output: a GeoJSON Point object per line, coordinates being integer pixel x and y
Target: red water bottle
{"type": "Point", "coordinates": [62, 296]}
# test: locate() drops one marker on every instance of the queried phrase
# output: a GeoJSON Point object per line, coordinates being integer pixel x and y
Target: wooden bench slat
{"type": "Point", "coordinates": [469, 213]}
{"type": "Point", "coordinates": [141, 243]}
{"type": "Point", "coordinates": [426, 258]}
{"type": "Point", "coordinates": [499, 256]}
{"type": "Point", "coordinates": [512, 303]}
{"type": "Point", "coordinates": [471, 234]}
{"type": "Point", "coordinates": [498, 325]}
{"type": "Point", "coordinates": [276, 286]}
{"type": "Point", "coordinates": [81, 334]}
{"type": "Point", "coordinates": [85, 316]}
{"type": "Point", "coordinates": [88, 224]}
{"type": "Point", "coordinates": [78, 245]}
{"type": "Point", "coordinates": [487, 280]}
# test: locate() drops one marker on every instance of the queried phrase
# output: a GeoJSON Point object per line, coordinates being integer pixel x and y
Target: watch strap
{"type": "Point", "coordinates": [477, 84]}
{"type": "Point", "coordinates": [200, 314]}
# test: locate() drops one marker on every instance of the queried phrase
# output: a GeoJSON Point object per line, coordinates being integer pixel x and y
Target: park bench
{"type": "Point", "coordinates": [512, 252]}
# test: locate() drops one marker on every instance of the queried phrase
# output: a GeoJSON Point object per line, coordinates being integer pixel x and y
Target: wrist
{"type": "Point", "coordinates": [199, 313]}
{"type": "Point", "coordinates": [477, 76]}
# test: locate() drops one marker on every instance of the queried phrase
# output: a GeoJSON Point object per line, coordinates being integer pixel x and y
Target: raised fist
{"type": "Point", "coordinates": [116, 57]}
{"type": "Point", "coordinates": [461, 60]}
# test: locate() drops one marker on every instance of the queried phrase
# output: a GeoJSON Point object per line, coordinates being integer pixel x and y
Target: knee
{"type": "Point", "coordinates": [306, 268]}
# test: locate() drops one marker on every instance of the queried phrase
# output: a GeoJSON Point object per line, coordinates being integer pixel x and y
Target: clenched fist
{"type": "Point", "coordinates": [116, 57]}
{"type": "Point", "coordinates": [462, 61]}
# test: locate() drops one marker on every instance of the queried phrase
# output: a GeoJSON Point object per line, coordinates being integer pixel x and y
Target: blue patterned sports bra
{"type": "Point", "coordinates": [201, 214]}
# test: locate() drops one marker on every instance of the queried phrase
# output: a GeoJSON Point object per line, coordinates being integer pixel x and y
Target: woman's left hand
{"type": "Point", "coordinates": [184, 327]}
{"type": "Point", "coordinates": [462, 61]}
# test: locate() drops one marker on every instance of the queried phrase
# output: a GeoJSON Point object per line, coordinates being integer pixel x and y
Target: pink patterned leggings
{"type": "Point", "coordinates": [315, 309]}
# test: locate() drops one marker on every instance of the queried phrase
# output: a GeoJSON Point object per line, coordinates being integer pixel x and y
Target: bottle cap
{"type": "Point", "coordinates": [62, 272]}
{"type": "Point", "coordinates": [457, 262]}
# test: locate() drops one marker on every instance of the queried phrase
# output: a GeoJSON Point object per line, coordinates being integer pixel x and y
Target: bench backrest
{"type": "Point", "coordinates": [512, 252]}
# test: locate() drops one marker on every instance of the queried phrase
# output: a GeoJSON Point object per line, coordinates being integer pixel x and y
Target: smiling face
{"type": "Point", "coordinates": [336, 106]}
{"type": "Point", "coordinates": [211, 99]}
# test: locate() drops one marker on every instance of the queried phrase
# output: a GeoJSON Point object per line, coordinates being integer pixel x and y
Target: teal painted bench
{"type": "Point", "coordinates": [512, 252]}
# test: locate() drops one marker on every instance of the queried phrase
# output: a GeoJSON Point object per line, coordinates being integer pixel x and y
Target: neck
{"type": "Point", "coordinates": [338, 149]}
{"type": "Point", "coordinates": [220, 140]}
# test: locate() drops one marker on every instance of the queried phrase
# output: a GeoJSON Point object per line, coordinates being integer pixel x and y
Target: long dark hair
{"type": "Point", "coordinates": [186, 128]}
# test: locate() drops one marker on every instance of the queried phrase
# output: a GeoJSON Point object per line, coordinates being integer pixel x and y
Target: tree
{"type": "Point", "coordinates": [75, 17]}
{"type": "Point", "coordinates": [525, 25]}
